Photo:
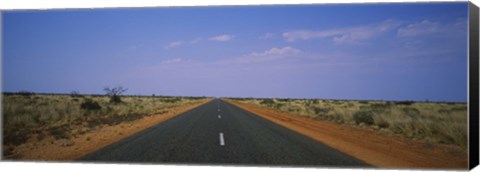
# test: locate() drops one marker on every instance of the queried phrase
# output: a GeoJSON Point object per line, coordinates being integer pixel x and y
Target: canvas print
{"type": "Point", "coordinates": [322, 85]}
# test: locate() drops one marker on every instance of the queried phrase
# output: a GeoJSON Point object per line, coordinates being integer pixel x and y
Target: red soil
{"type": "Point", "coordinates": [368, 145]}
{"type": "Point", "coordinates": [59, 150]}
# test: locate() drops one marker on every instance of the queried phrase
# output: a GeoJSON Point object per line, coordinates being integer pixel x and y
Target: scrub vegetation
{"type": "Point", "coordinates": [433, 122]}
{"type": "Point", "coordinates": [28, 116]}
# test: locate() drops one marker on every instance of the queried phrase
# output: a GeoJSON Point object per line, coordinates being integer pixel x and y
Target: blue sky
{"type": "Point", "coordinates": [354, 51]}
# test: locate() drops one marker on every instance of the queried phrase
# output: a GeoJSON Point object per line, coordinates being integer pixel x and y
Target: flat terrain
{"type": "Point", "coordinates": [220, 133]}
{"type": "Point", "coordinates": [431, 122]}
{"type": "Point", "coordinates": [27, 135]}
{"type": "Point", "coordinates": [369, 145]}
{"type": "Point", "coordinates": [223, 131]}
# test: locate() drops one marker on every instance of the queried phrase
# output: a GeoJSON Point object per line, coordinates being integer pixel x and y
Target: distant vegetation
{"type": "Point", "coordinates": [115, 93]}
{"type": "Point", "coordinates": [27, 115]}
{"type": "Point", "coordinates": [439, 122]}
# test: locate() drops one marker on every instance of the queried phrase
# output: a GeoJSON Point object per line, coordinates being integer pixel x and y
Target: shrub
{"type": "Point", "coordinates": [318, 110]}
{"type": "Point", "coordinates": [278, 106]}
{"type": "Point", "coordinates": [462, 108]}
{"type": "Point", "coordinates": [172, 100]}
{"type": "Point", "coordinates": [59, 132]}
{"type": "Point", "coordinates": [411, 112]}
{"type": "Point", "coordinates": [115, 93]}
{"type": "Point", "coordinates": [404, 103]}
{"type": "Point", "coordinates": [267, 102]}
{"type": "Point", "coordinates": [363, 117]}
{"type": "Point", "coordinates": [75, 94]}
{"type": "Point", "coordinates": [25, 93]}
{"type": "Point", "coordinates": [379, 108]}
{"type": "Point", "coordinates": [90, 105]}
{"type": "Point", "coordinates": [115, 99]}
{"type": "Point", "coordinates": [15, 138]}
{"type": "Point", "coordinates": [363, 102]}
{"type": "Point", "coordinates": [383, 124]}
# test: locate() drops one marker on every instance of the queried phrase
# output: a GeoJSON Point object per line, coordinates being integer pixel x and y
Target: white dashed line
{"type": "Point", "coordinates": [222, 142]}
{"type": "Point", "coordinates": [219, 116]}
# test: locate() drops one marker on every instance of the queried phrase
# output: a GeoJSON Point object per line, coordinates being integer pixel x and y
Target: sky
{"type": "Point", "coordinates": [346, 51]}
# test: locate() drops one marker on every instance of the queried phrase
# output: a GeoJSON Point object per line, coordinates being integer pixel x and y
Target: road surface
{"type": "Point", "coordinates": [220, 133]}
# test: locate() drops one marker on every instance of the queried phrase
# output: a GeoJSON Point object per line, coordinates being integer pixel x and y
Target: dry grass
{"type": "Point", "coordinates": [36, 117]}
{"type": "Point", "coordinates": [426, 121]}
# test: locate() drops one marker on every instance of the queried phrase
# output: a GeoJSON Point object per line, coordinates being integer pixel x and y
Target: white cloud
{"type": "Point", "coordinates": [173, 44]}
{"type": "Point", "coordinates": [346, 35]}
{"type": "Point", "coordinates": [426, 27]}
{"type": "Point", "coordinates": [419, 28]}
{"type": "Point", "coordinates": [170, 61]}
{"type": "Point", "coordinates": [267, 55]}
{"type": "Point", "coordinates": [416, 35]}
{"type": "Point", "coordinates": [277, 52]}
{"type": "Point", "coordinates": [222, 38]}
{"type": "Point", "coordinates": [179, 43]}
{"type": "Point", "coordinates": [266, 36]}
{"type": "Point", "coordinates": [307, 34]}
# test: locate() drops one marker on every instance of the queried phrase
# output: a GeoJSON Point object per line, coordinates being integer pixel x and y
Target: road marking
{"type": "Point", "coordinates": [222, 142]}
{"type": "Point", "coordinates": [219, 116]}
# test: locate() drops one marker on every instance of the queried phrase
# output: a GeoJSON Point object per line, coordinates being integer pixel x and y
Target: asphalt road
{"type": "Point", "coordinates": [221, 133]}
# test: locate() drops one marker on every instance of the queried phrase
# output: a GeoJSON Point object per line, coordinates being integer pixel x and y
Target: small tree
{"type": "Point", "coordinates": [115, 93]}
{"type": "Point", "coordinates": [75, 94]}
{"type": "Point", "coordinates": [90, 105]}
{"type": "Point", "coordinates": [365, 117]}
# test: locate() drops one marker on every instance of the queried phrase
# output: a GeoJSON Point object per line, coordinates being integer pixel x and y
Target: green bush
{"type": "Point", "coordinates": [60, 132]}
{"type": "Point", "coordinates": [404, 102]}
{"type": "Point", "coordinates": [75, 94]}
{"type": "Point", "coordinates": [411, 112]}
{"type": "Point", "coordinates": [172, 100]}
{"type": "Point", "coordinates": [363, 102]}
{"type": "Point", "coordinates": [115, 93]}
{"type": "Point", "coordinates": [26, 93]}
{"type": "Point", "coordinates": [15, 138]}
{"type": "Point", "coordinates": [267, 102]}
{"type": "Point", "coordinates": [90, 105]}
{"type": "Point", "coordinates": [318, 110]}
{"type": "Point", "coordinates": [380, 108]}
{"type": "Point", "coordinates": [363, 117]}
{"type": "Point", "coordinates": [383, 124]}
{"type": "Point", "coordinates": [115, 99]}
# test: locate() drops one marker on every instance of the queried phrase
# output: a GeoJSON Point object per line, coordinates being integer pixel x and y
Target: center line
{"type": "Point", "coordinates": [222, 143]}
{"type": "Point", "coordinates": [219, 116]}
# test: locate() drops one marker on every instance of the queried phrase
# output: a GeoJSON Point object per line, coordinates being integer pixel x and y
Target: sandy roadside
{"type": "Point", "coordinates": [74, 148]}
{"type": "Point", "coordinates": [367, 145]}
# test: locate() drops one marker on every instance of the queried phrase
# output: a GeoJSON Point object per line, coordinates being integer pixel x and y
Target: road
{"type": "Point", "coordinates": [221, 133]}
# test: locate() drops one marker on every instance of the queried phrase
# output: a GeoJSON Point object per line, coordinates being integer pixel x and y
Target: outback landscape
{"type": "Point", "coordinates": [381, 137]}
{"type": "Point", "coordinates": [32, 121]}
{"type": "Point", "coordinates": [288, 85]}
{"type": "Point", "coordinates": [397, 134]}
{"type": "Point", "coordinates": [431, 122]}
